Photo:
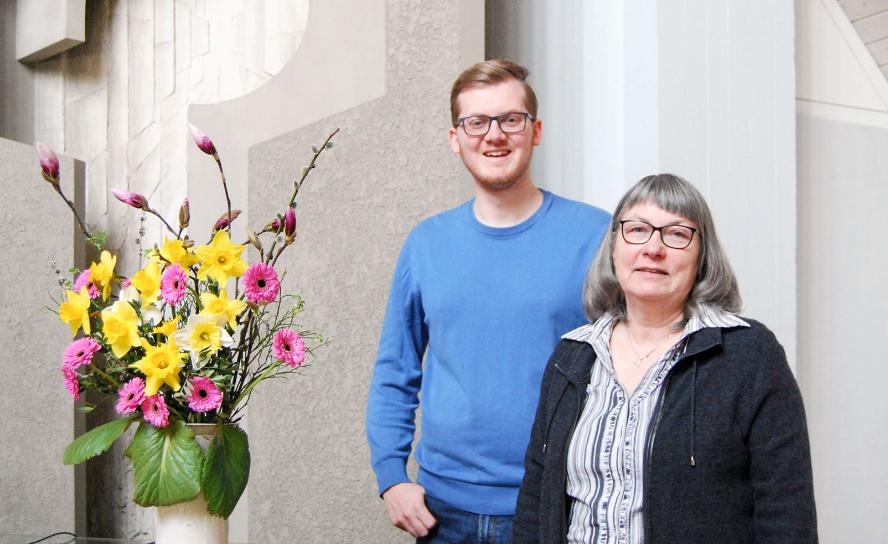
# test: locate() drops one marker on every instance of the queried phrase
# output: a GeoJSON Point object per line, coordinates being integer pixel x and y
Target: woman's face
{"type": "Point", "coordinates": [653, 272]}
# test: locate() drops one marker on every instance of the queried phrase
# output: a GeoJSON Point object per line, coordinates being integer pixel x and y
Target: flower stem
{"type": "Point", "coordinates": [171, 229]}
{"type": "Point", "coordinates": [106, 376]}
{"type": "Point", "coordinates": [70, 204]}
{"type": "Point", "coordinates": [225, 188]}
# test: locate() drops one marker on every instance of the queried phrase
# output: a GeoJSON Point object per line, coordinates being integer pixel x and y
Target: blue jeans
{"type": "Point", "coordinates": [457, 526]}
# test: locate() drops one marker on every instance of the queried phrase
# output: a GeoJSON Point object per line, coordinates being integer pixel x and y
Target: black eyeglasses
{"type": "Point", "coordinates": [638, 232]}
{"type": "Point", "coordinates": [479, 125]}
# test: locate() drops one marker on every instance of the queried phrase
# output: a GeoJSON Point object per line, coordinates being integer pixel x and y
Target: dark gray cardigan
{"type": "Point", "coordinates": [727, 456]}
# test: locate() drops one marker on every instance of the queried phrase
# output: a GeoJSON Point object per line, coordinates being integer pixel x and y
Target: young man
{"type": "Point", "coordinates": [484, 292]}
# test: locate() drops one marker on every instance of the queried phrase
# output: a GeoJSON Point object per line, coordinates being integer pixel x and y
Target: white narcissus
{"type": "Point", "coordinates": [203, 336]}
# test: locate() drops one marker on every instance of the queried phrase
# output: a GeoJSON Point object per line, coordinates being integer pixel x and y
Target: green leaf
{"type": "Point", "coordinates": [166, 464]}
{"type": "Point", "coordinates": [226, 470]}
{"type": "Point", "coordinates": [95, 441]}
{"type": "Point", "coordinates": [99, 239]}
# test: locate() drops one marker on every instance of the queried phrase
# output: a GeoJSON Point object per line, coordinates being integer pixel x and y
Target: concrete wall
{"type": "Point", "coordinates": [842, 127]}
{"type": "Point", "coordinates": [16, 83]}
{"type": "Point", "coordinates": [38, 233]}
{"type": "Point", "coordinates": [390, 167]}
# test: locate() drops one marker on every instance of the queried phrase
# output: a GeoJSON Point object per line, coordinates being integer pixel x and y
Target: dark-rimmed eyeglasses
{"type": "Point", "coordinates": [638, 232]}
{"type": "Point", "coordinates": [509, 123]}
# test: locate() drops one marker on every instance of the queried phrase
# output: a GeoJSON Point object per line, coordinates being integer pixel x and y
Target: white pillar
{"type": "Point", "coordinates": [701, 88]}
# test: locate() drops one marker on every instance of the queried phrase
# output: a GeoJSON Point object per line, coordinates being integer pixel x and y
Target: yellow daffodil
{"type": "Point", "coordinates": [161, 365]}
{"type": "Point", "coordinates": [120, 327]}
{"type": "Point", "coordinates": [75, 310]}
{"type": "Point", "coordinates": [174, 252]}
{"type": "Point", "coordinates": [147, 281]}
{"type": "Point", "coordinates": [221, 259]}
{"type": "Point", "coordinates": [222, 306]}
{"type": "Point", "coordinates": [103, 272]}
{"type": "Point", "coordinates": [203, 336]}
{"type": "Point", "coordinates": [167, 328]}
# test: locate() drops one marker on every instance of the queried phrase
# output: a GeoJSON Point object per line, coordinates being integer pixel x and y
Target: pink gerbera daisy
{"type": "Point", "coordinates": [261, 284]}
{"type": "Point", "coordinates": [288, 347]}
{"type": "Point", "coordinates": [84, 280]}
{"type": "Point", "coordinates": [204, 396]}
{"type": "Point", "coordinates": [172, 284]}
{"type": "Point", "coordinates": [71, 383]}
{"type": "Point", "coordinates": [130, 396]}
{"type": "Point", "coordinates": [80, 352]}
{"type": "Point", "coordinates": [155, 411]}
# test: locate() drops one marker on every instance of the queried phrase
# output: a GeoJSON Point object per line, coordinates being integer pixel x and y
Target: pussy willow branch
{"type": "Point", "coordinates": [272, 256]}
{"type": "Point", "coordinates": [310, 167]}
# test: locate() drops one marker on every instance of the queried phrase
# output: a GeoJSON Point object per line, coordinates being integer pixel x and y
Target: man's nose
{"type": "Point", "coordinates": [495, 132]}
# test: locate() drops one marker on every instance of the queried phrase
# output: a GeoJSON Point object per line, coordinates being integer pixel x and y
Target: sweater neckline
{"type": "Point", "coordinates": [514, 229]}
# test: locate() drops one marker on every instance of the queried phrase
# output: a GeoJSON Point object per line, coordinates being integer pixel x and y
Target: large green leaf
{"type": "Point", "coordinates": [95, 441]}
{"type": "Point", "coordinates": [166, 464]}
{"type": "Point", "coordinates": [226, 470]}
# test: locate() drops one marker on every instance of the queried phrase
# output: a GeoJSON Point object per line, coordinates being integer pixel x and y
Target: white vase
{"type": "Point", "coordinates": [189, 522]}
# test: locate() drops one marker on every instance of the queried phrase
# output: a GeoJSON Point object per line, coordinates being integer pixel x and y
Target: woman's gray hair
{"type": "Point", "coordinates": [714, 285]}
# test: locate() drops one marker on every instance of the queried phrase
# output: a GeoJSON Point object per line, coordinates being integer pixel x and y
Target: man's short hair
{"type": "Point", "coordinates": [491, 72]}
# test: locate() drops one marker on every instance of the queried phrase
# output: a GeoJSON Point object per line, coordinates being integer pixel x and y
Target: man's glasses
{"type": "Point", "coordinates": [639, 232]}
{"type": "Point", "coordinates": [479, 125]}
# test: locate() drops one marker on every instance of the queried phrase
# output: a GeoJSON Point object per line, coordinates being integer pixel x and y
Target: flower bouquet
{"type": "Point", "coordinates": [184, 340]}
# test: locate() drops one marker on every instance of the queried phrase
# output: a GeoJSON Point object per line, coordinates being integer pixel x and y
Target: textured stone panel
{"type": "Point", "coordinates": [37, 489]}
{"type": "Point", "coordinates": [200, 35]}
{"type": "Point", "coordinates": [183, 36]}
{"type": "Point", "coordinates": [254, 36]}
{"type": "Point", "coordinates": [145, 176]}
{"type": "Point", "coordinates": [164, 21]}
{"type": "Point", "coordinates": [354, 213]}
{"type": "Point", "coordinates": [52, 26]}
{"type": "Point", "coordinates": [164, 70]}
{"type": "Point", "coordinates": [97, 189]}
{"type": "Point", "coordinates": [278, 50]}
{"type": "Point", "coordinates": [173, 155]}
{"type": "Point", "coordinates": [140, 35]}
{"type": "Point", "coordinates": [49, 102]}
{"type": "Point", "coordinates": [86, 124]}
{"type": "Point", "coordinates": [141, 145]}
{"type": "Point", "coordinates": [174, 103]}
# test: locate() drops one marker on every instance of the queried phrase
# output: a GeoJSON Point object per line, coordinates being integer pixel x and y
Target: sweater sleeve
{"type": "Point", "coordinates": [397, 376]}
{"type": "Point", "coordinates": [780, 457]}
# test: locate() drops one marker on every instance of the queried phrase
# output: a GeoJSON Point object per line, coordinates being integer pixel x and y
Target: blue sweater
{"type": "Point", "coordinates": [486, 306]}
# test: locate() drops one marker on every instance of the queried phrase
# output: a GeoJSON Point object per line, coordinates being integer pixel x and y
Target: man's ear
{"type": "Point", "coordinates": [537, 132]}
{"type": "Point", "coordinates": [454, 140]}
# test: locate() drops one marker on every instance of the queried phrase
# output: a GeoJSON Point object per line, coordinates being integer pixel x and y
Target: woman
{"type": "Point", "coordinates": [668, 418]}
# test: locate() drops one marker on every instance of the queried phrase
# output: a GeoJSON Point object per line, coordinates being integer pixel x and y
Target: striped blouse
{"type": "Point", "coordinates": [605, 459]}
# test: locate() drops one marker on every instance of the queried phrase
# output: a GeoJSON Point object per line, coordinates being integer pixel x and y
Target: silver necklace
{"type": "Point", "coordinates": [641, 358]}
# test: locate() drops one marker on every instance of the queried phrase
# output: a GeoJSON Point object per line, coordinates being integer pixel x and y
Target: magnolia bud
{"type": "Point", "coordinates": [184, 214]}
{"type": "Point", "coordinates": [290, 221]}
{"type": "Point", "coordinates": [202, 140]}
{"type": "Point", "coordinates": [49, 163]}
{"type": "Point", "coordinates": [226, 220]}
{"type": "Point", "coordinates": [132, 199]}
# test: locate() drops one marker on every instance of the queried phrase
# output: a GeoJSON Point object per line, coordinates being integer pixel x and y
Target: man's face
{"type": "Point", "coordinates": [497, 160]}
